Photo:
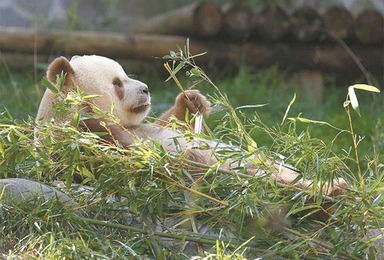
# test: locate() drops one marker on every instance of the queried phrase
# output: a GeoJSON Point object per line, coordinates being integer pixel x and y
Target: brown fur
{"type": "Point", "coordinates": [189, 103]}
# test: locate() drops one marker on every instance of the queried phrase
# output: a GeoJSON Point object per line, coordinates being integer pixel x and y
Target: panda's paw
{"type": "Point", "coordinates": [194, 101]}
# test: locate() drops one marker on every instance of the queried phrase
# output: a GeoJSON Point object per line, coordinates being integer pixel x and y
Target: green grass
{"type": "Point", "coordinates": [19, 93]}
{"type": "Point", "coordinates": [266, 87]}
{"type": "Point", "coordinates": [267, 221]}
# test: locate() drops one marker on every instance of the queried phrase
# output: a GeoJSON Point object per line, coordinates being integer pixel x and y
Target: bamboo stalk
{"type": "Point", "coordinates": [319, 243]}
{"type": "Point", "coordinates": [196, 192]}
{"type": "Point", "coordinates": [189, 236]}
{"type": "Point", "coordinates": [172, 74]}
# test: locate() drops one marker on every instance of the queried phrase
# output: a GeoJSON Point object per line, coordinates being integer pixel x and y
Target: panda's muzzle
{"type": "Point", "coordinates": [143, 105]}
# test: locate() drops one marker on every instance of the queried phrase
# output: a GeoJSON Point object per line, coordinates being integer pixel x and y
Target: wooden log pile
{"type": "Point", "coordinates": [147, 46]}
{"type": "Point", "coordinates": [239, 21]}
{"type": "Point", "coordinates": [231, 34]}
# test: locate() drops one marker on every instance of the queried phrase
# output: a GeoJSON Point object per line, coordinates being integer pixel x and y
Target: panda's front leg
{"type": "Point", "coordinates": [187, 105]}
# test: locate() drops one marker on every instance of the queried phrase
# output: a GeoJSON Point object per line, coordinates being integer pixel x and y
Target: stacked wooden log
{"type": "Point", "coordinates": [239, 21]}
{"type": "Point", "coordinates": [231, 34]}
{"type": "Point", "coordinates": [203, 19]}
{"type": "Point", "coordinates": [333, 58]}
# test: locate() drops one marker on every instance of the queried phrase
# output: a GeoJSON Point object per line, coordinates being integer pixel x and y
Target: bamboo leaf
{"type": "Point", "coordinates": [187, 49]}
{"type": "Point", "coordinates": [76, 120]}
{"type": "Point", "coordinates": [378, 181]}
{"type": "Point", "coordinates": [195, 72]}
{"type": "Point", "coordinates": [310, 209]}
{"type": "Point", "coordinates": [353, 99]}
{"type": "Point", "coordinates": [377, 200]}
{"type": "Point", "coordinates": [46, 83]}
{"type": "Point", "coordinates": [309, 121]}
{"type": "Point", "coordinates": [91, 96]}
{"type": "Point", "coordinates": [366, 88]}
{"type": "Point", "coordinates": [175, 71]}
{"type": "Point", "coordinates": [198, 55]}
{"type": "Point", "coordinates": [2, 152]}
{"type": "Point", "coordinates": [288, 108]}
{"type": "Point", "coordinates": [251, 106]}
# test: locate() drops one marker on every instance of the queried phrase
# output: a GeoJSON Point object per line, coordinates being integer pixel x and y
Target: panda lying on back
{"type": "Point", "coordinates": [131, 102]}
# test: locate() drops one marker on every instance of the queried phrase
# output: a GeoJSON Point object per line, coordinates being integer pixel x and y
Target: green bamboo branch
{"type": "Point", "coordinates": [186, 236]}
{"type": "Point", "coordinates": [321, 244]}
{"type": "Point", "coordinates": [188, 60]}
{"type": "Point", "coordinates": [205, 239]}
{"type": "Point", "coordinates": [224, 203]}
{"type": "Point", "coordinates": [248, 176]}
{"type": "Point", "coordinates": [359, 172]}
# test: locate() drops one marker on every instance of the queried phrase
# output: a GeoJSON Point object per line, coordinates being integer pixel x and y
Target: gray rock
{"type": "Point", "coordinates": [377, 237]}
{"type": "Point", "coordinates": [18, 190]}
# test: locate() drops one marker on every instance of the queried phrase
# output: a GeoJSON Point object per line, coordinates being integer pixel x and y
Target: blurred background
{"type": "Point", "coordinates": [118, 15]}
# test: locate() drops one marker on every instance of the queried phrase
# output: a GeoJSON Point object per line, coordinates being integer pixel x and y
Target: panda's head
{"type": "Point", "coordinates": [128, 99]}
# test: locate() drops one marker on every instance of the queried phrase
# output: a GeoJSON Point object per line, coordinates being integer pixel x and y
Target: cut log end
{"type": "Point", "coordinates": [238, 20]}
{"type": "Point", "coordinates": [369, 28]}
{"type": "Point", "coordinates": [338, 21]}
{"type": "Point", "coordinates": [273, 23]}
{"type": "Point", "coordinates": [198, 19]}
{"type": "Point", "coordinates": [306, 24]}
{"type": "Point", "coordinates": [208, 19]}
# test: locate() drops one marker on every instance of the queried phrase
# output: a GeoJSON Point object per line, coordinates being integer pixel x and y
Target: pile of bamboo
{"type": "Point", "coordinates": [240, 21]}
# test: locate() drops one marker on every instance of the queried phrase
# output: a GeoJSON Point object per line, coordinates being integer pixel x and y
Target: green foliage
{"type": "Point", "coordinates": [18, 94]}
{"type": "Point", "coordinates": [139, 198]}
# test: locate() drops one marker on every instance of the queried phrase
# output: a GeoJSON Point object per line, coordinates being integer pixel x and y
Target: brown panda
{"type": "Point", "coordinates": [130, 102]}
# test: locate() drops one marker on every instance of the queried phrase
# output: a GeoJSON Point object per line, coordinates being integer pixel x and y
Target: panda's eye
{"type": "Point", "coordinates": [117, 82]}
{"type": "Point", "coordinates": [119, 90]}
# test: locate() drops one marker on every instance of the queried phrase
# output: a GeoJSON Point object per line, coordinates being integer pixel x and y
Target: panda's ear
{"type": "Point", "coordinates": [57, 67]}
